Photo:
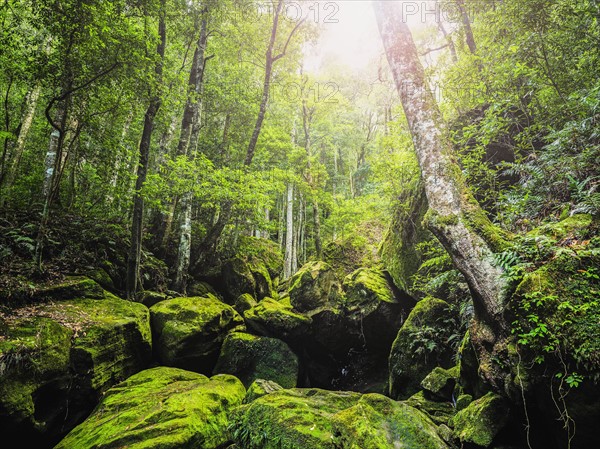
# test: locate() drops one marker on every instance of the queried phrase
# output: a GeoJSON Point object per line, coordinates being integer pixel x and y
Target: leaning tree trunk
{"type": "Point", "coordinates": [454, 216]}
{"type": "Point", "coordinates": [135, 250]}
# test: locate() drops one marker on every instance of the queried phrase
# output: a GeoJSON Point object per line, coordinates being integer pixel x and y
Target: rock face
{"type": "Point", "coordinates": [319, 419]}
{"type": "Point", "coordinates": [343, 335]}
{"type": "Point", "coordinates": [481, 420]}
{"type": "Point", "coordinates": [421, 345]}
{"type": "Point", "coordinates": [189, 332]}
{"type": "Point", "coordinates": [55, 366]}
{"type": "Point", "coordinates": [254, 269]}
{"type": "Point", "coordinates": [315, 285]}
{"type": "Point", "coordinates": [161, 408]}
{"type": "Point", "coordinates": [250, 358]}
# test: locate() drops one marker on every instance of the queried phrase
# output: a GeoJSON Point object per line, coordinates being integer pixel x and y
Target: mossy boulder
{"type": "Point", "coordinates": [291, 419]}
{"type": "Point", "coordinates": [481, 420]}
{"type": "Point", "coordinates": [438, 411]}
{"type": "Point", "coordinates": [58, 358]}
{"type": "Point", "coordinates": [161, 408]}
{"type": "Point", "coordinates": [250, 358]}
{"type": "Point", "coordinates": [71, 288]}
{"type": "Point", "coordinates": [314, 286]}
{"type": "Point", "coordinates": [201, 288]}
{"type": "Point", "coordinates": [373, 304]}
{"type": "Point", "coordinates": [420, 346]}
{"type": "Point", "coordinates": [276, 319]}
{"type": "Point", "coordinates": [379, 422]}
{"type": "Point", "coordinates": [244, 302]}
{"type": "Point", "coordinates": [440, 382]}
{"type": "Point", "coordinates": [253, 269]}
{"type": "Point", "coordinates": [188, 332]}
{"type": "Point", "coordinates": [320, 419]}
{"type": "Point", "coordinates": [260, 388]}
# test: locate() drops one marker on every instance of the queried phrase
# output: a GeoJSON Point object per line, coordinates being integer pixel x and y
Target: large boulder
{"type": "Point", "coordinates": [57, 359]}
{"type": "Point", "coordinates": [188, 332]}
{"type": "Point", "coordinates": [250, 358]}
{"type": "Point", "coordinates": [481, 420]}
{"type": "Point", "coordinates": [161, 408]}
{"type": "Point", "coordinates": [253, 269]}
{"type": "Point", "coordinates": [320, 419]}
{"type": "Point", "coordinates": [276, 319]}
{"type": "Point", "coordinates": [377, 421]}
{"type": "Point", "coordinates": [421, 345]}
{"type": "Point", "coordinates": [315, 285]}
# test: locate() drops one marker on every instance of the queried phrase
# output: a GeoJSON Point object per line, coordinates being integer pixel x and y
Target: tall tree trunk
{"type": "Point", "coordinates": [454, 217]}
{"type": "Point", "coordinates": [466, 21]}
{"type": "Point", "coordinates": [289, 233]}
{"type": "Point", "coordinates": [270, 60]}
{"type": "Point", "coordinates": [26, 121]}
{"type": "Point", "coordinates": [135, 250]}
{"type": "Point", "coordinates": [188, 141]}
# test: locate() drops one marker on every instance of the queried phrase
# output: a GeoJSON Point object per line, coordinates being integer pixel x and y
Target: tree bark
{"type": "Point", "coordinates": [135, 250]}
{"type": "Point", "coordinates": [26, 122]}
{"type": "Point", "coordinates": [454, 217]}
{"type": "Point", "coordinates": [188, 141]}
{"type": "Point", "coordinates": [289, 233]}
{"type": "Point", "coordinates": [466, 20]}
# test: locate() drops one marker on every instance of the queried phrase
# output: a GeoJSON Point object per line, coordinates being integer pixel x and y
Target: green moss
{"type": "Point", "coordinates": [481, 420]}
{"type": "Point", "coordinates": [33, 352]}
{"type": "Point", "coordinates": [290, 419]}
{"type": "Point", "coordinates": [420, 346]}
{"type": "Point", "coordinates": [315, 285]}
{"type": "Point", "coordinates": [244, 302]}
{"type": "Point", "coordinates": [366, 286]}
{"type": "Point", "coordinates": [249, 358]}
{"type": "Point", "coordinates": [439, 412]}
{"type": "Point", "coordinates": [277, 319]}
{"type": "Point", "coordinates": [161, 408]}
{"type": "Point", "coordinates": [189, 331]}
{"type": "Point", "coordinates": [406, 231]}
{"type": "Point", "coordinates": [569, 226]}
{"type": "Point", "coordinates": [377, 422]}
{"type": "Point", "coordinates": [260, 388]}
{"type": "Point", "coordinates": [440, 382]}
{"type": "Point", "coordinates": [73, 287]}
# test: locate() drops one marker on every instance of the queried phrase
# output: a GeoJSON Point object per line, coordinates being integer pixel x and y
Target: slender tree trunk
{"type": "Point", "coordinates": [188, 141]}
{"type": "Point", "coordinates": [449, 41]}
{"type": "Point", "coordinates": [26, 122]}
{"type": "Point", "coordinates": [454, 217]}
{"type": "Point", "coordinates": [135, 250]}
{"type": "Point", "coordinates": [466, 20]}
{"type": "Point", "coordinates": [119, 158]}
{"type": "Point", "coordinates": [289, 233]}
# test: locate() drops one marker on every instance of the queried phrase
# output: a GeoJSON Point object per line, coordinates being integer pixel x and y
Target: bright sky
{"type": "Point", "coordinates": [349, 34]}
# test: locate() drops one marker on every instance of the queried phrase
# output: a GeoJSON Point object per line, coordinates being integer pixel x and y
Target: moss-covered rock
{"type": "Point", "coordinates": [276, 319]}
{"type": "Point", "coordinates": [189, 332]}
{"type": "Point", "coordinates": [249, 358]}
{"type": "Point", "coordinates": [149, 298]}
{"type": "Point", "coordinates": [320, 419]}
{"type": "Point", "coordinates": [439, 412]}
{"type": "Point", "coordinates": [291, 419]}
{"type": "Point", "coordinates": [481, 420]}
{"type": "Point", "coordinates": [72, 287]}
{"type": "Point", "coordinates": [56, 365]}
{"type": "Point", "coordinates": [244, 302]}
{"type": "Point", "coordinates": [201, 288]}
{"type": "Point", "coordinates": [406, 231]}
{"type": "Point", "coordinates": [314, 286]}
{"type": "Point", "coordinates": [253, 269]}
{"type": "Point", "coordinates": [161, 408]}
{"type": "Point", "coordinates": [440, 382]}
{"type": "Point", "coordinates": [375, 306]}
{"type": "Point", "coordinates": [564, 228]}
{"type": "Point", "coordinates": [260, 388]}
{"type": "Point", "coordinates": [420, 346]}
{"type": "Point", "coordinates": [379, 422]}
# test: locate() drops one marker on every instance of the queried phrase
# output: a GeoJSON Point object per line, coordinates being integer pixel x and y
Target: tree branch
{"type": "Point", "coordinates": [282, 54]}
